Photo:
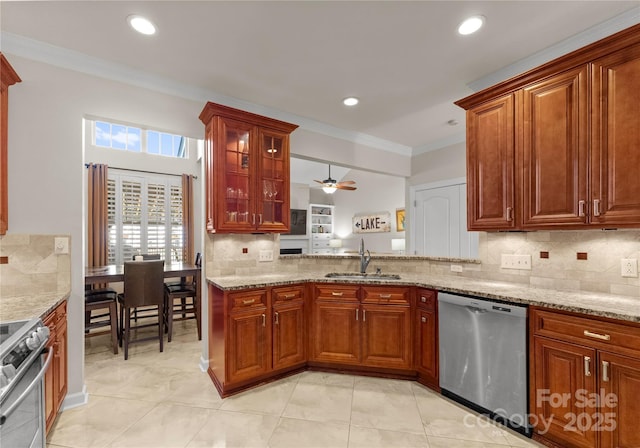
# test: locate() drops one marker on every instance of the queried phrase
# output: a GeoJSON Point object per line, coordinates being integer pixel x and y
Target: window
{"type": "Point", "coordinates": [135, 139]}
{"type": "Point", "coordinates": [144, 217]}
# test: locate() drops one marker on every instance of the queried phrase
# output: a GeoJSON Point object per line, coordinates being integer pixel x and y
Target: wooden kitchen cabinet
{"type": "Point", "coordinates": [491, 165]}
{"type": "Point", "coordinates": [247, 171]}
{"type": "Point", "coordinates": [367, 326]}
{"type": "Point", "coordinates": [426, 337]}
{"type": "Point", "coordinates": [580, 358]}
{"type": "Point", "coordinates": [55, 379]}
{"type": "Point", "coordinates": [554, 150]}
{"type": "Point", "coordinates": [556, 147]}
{"type": "Point", "coordinates": [8, 77]}
{"type": "Point", "coordinates": [255, 334]}
{"type": "Point", "coordinates": [289, 326]}
{"type": "Point", "coordinates": [615, 138]}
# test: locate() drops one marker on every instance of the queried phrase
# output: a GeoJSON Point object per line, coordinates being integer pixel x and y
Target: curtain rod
{"type": "Point", "coordinates": [86, 165]}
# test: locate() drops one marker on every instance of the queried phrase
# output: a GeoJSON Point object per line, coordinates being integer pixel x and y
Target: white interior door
{"type": "Point", "coordinates": [441, 223]}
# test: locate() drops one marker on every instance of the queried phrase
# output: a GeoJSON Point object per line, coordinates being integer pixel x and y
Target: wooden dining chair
{"type": "Point", "coordinates": [143, 287]}
{"type": "Point", "coordinates": [189, 306]}
{"type": "Point", "coordinates": [101, 311]}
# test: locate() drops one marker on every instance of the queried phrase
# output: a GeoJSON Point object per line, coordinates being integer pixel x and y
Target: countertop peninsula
{"type": "Point", "coordinates": [29, 306]}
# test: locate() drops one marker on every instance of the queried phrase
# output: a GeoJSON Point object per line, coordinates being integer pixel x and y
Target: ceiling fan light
{"type": "Point", "coordinates": [329, 189]}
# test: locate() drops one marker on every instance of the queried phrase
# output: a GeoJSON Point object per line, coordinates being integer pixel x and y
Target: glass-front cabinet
{"type": "Point", "coordinates": [247, 171]}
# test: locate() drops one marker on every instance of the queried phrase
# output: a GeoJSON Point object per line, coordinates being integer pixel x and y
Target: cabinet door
{"type": "Point", "coordinates": [427, 346]}
{"type": "Point", "coordinates": [248, 352]}
{"type": "Point", "coordinates": [490, 165]}
{"type": "Point", "coordinates": [615, 138]}
{"type": "Point", "coordinates": [336, 332]}
{"type": "Point", "coordinates": [386, 336]}
{"type": "Point", "coordinates": [563, 372]}
{"type": "Point", "coordinates": [210, 203]}
{"type": "Point", "coordinates": [234, 200]}
{"type": "Point", "coordinates": [272, 176]}
{"type": "Point", "coordinates": [50, 398]}
{"type": "Point", "coordinates": [554, 151]}
{"type": "Point", "coordinates": [619, 381]}
{"type": "Point", "coordinates": [60, 359]}
{"type": "Point", "coordinates": [288, 334]}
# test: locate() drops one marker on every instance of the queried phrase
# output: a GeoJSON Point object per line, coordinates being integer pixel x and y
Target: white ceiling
{"type": "Point", "coordinates": [404, 60]}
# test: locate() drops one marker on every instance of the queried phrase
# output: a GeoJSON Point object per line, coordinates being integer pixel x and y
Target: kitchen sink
{"type": "Point", "coordinates": [359, 276]}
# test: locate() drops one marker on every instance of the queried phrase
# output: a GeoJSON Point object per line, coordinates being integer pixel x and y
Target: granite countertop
{"type": "Point", "coordinates": [29, 306]}
{"type": "Point", "coordinates": [597, 304]}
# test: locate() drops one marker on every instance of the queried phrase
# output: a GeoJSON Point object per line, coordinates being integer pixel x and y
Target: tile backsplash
{"type": "Point", "coordinates": [32, 266]}
{"type": "Point", "coordinates": [600, 272]}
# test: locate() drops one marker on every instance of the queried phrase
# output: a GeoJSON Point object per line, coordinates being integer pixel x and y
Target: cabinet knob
{"type": "Point", "coordinates": [423, 319]}
{"type": "Point", "coordinates": [423, 299]}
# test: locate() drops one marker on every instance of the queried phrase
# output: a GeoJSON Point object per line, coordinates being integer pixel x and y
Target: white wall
{"type": "Point", "coordinates": [442, 164]}
{"type": "Point", "coordinates": [375, 193]}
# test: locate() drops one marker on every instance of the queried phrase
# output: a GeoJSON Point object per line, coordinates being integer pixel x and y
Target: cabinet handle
{"type": "Point", "coordinates": [587, 366]}
{"type": "Point", "coordinates": [423, 299]}
{"type": "Point", "coordinates": [605, 371]}
{"type": "Point", "coordinates": [264, 320]}
{"type": "Point", "coordinates": [357, 312]}
{"type": "Point", "coordinates": [581, 208]}
{"type": "Point", "coordinates": [254, 219]}
{"type": "Point", "coordinates": [336, 293]}
{"type": "Point", "coordinates": [385, 296]}
{"type": "Point", "coordinates": [277, 321]}
{"type": "Point", "coordinates": [289, 296]}
{"type": "Point", "coordinates": [260, 216]}
{"type": "Point", "coordinates": [364, 315]}
{"type": "Point", "coordinates": [596, 207]}
{"type": "Point", "coordinates": [509, 214]}
{"type": "Point", "coordinates": [604, 337]}
{"type": "Point", "coordinates": [423, 319]}
{"type": "Point", "coordinates": [249, 302]}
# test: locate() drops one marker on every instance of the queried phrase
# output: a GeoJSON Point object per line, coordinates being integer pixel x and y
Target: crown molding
{"type": "Point", "coordinates": [83, 63]}
{"type": "Point", "coordinates": [589, 36]}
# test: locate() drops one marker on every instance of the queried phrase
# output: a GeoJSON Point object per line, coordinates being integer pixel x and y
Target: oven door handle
{"type": "Point", "coordinates": [28, 390]}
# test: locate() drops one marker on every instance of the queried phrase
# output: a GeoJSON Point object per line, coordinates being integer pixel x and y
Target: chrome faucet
{"type": "Point", "coordinates": [364, 259]}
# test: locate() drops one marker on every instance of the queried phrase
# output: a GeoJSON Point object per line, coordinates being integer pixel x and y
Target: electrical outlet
{"type": "Point", "coordinates": [512, 261]}
{"type": "Point", "coordinates": [61, 245]}
{"type": "Point", "coordinates": [265, 255]}
{"type": "Point", "coordinates": [456, 268]}
{"type": "Point", "coordinates": [629, 267]}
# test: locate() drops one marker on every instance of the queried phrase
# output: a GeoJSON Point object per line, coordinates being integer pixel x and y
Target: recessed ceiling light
{"type": "Point", "coordinates": [350, 101]}
{"type": "Point", "coordinates": [141, 25]}
{"type": "Point", "coordinates": [471, 25]}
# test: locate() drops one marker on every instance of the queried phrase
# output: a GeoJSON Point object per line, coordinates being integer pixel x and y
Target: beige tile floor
{"type": "Point", "coordinates": [163, 400]}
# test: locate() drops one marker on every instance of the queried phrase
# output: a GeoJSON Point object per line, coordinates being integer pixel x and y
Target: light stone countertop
{"type": "Point", "coordinates": [30, 306]}
{"type": "Point", "coordinates": [597, 304]}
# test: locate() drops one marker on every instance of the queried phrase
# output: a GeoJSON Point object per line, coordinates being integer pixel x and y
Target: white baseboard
{"type": "Point", "coordinates": [76, 400]}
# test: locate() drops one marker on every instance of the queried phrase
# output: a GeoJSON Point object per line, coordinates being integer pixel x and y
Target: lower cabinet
{"type": "Point", "coordinates": [585, 380]}
{"type": "Point", "coordinates": [261, 333]}
{"type": "Point", "coordinates": [55, 379]}
{"type": "Point", "coordinates": [362, 326]}
{"type": "Point", "coordinates": [426, 337]}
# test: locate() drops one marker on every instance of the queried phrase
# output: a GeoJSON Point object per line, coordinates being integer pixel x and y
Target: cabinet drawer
{"type": "Point", "coordinates": [287, 294]}
{"type": "Point", "coordinates": [336, 292]}
{"type": "Point", "coordinates": [426, 299]}
{"type": "Point", "coordinates": [586, 331]}
{"type": "Point", "coordinates": [248, 299]}
{"type": "Point", "coordinates": [321, 244]}
{"type": "Point", "coordinates": [385, 294]}
{"type": "Point", "coordinates": [321, 237]}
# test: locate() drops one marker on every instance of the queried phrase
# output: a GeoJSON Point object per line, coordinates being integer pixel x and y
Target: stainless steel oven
{"type": "Point", "coordinates": [24, 362]}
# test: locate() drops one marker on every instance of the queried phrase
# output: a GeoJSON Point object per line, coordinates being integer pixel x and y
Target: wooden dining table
{"type": "Point", "coordinates": [115, 273]}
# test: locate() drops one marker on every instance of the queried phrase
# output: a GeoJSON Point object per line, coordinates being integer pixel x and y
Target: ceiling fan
{"type": "Point", "coordinates": [330, 185]}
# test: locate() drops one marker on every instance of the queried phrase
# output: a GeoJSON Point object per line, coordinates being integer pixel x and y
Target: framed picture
{"type": "Point", "coordinates": [400, 219]}
{"type": "Point", "coordinates": [298, 222]}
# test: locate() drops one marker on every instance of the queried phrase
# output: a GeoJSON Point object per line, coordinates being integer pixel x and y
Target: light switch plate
{"type": "Point", "coordinates": [265, 255]}
{"type": "Point", "coordinates": [629, 267]}
{"type": "Point", "coordinates": [456, 268]}
{"type": "Point", "coordinates": [513, 261]}
{"type": "Point", "coordinates": [61, 245]}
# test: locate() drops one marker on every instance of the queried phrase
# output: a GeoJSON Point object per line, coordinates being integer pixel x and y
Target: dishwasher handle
{"type": "Point", "coordinates": [476, 310]}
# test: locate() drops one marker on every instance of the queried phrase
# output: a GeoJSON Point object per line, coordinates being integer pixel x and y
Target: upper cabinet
{"type": "Point", "coordinates": [557, 147]}
{"type": "Point", "coordinates": [247, 171]}
{"type": "Point", "coordinates": [8, 77]}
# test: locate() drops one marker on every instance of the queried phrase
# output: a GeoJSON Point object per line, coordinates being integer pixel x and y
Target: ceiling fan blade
{"type": "Point", "coordinates": [347, 182]}
{"type": "Point", "coordinates": [320, 182]}
{"type": "Point", "coordinates": [345, 187]}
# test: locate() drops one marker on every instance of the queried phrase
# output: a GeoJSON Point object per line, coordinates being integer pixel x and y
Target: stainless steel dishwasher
{"type": "Point", "coordinates": [483, 357]}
